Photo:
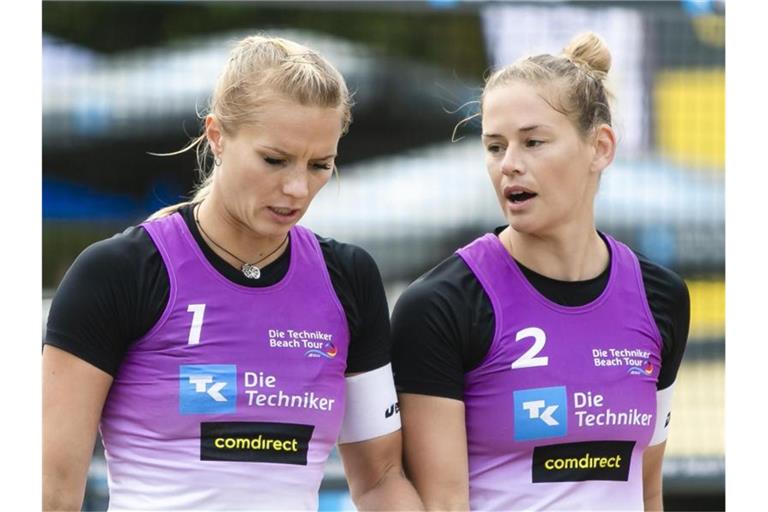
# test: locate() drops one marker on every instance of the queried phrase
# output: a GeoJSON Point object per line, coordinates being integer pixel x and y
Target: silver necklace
{"type": "Point", "coordinates": [249, 270]}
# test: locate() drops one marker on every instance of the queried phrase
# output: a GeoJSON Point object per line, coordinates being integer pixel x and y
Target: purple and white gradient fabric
{"type": "Point", "coordinates": [235, 398]}
{"type": "Point", "coordinates": [564, 404]}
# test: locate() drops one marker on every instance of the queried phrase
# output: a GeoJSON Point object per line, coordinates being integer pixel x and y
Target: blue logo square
{"type": "Point", "coordinates": [540, 413]}
{"type": "Point", "coordinates": [207, 388]}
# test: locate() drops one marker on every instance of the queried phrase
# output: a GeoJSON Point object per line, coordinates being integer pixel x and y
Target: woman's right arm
{"type": "Point", "coordinates": [435, 450]}
{"type": "Point", "coordinates": [74, 392]}
{"type": "Point", "coordinates": [438, 334]}
{"type": "Point", "coordinates": [112, 294]}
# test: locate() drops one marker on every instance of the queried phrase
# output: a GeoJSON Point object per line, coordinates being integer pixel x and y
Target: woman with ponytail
{"type": "Point", "coordinates": [221, 349]}
{"type": "Point", "coordinates": [535, 366]}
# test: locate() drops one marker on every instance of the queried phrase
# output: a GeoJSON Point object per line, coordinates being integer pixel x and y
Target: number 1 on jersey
{"type": "Point", "coordinates": [530, 359]}
{"type": "Point", "coordinates": [197, 310]}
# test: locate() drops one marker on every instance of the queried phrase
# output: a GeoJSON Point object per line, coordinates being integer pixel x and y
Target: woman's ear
{"type": "Point", "coordinates": [605, 147]}
{"type": "Point", "coordinates": [214, 134]}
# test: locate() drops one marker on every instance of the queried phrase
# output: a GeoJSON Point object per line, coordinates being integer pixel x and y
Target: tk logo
{"type": "Point", "coordinates": [207, 388]}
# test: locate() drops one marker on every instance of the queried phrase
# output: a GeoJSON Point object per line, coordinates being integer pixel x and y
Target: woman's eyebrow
{"type": "Point", "coordinates": [285, 153]}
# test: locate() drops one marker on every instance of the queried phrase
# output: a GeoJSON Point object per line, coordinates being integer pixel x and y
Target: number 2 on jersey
{"type": "Point", "coordinates": [530, 359]}
{"type": "Point", "coordinates": [197, 310]}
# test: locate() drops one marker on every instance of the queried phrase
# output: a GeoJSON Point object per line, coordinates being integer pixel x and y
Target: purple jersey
{"type": "Point", "coordinates": [564, 404]}
{"type": "Point", "coordinates": [235, 398]}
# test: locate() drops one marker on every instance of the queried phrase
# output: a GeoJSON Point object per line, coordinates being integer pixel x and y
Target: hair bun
{"type": "Point", "coordinates": [590, 50]}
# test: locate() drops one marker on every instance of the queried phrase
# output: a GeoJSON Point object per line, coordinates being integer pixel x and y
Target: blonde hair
{"type": "Point", "coordinates": [580, 70]}
{"type": "Point", "coordinates": [261, 68]}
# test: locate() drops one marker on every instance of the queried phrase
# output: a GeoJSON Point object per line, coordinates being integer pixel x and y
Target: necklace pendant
{"type": "Point", "coordinates": [251, 271]}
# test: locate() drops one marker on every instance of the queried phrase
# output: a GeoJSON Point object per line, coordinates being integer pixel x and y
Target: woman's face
{"type": "Point", "coordinates": [541, 168]}
{"type": "Point", "coordinates": [270, 172]}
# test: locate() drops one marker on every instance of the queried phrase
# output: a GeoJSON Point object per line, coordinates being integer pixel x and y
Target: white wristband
{"type": "Point", "coordinates": [663, 415]}
{"type": "Point", "coordinates": [372, 409]}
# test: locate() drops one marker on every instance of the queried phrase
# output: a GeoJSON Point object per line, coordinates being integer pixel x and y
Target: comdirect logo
{"type": "Point", "coordinates": [207, 388]}
{"type": "Point", "coordinates": [243, 441]}
{"type": "Point", "coordinates": [540, 413]}
{"type": "Point", "coordinates": [577, 462]}
{"type": "Point", "coordinates": [328, 351]}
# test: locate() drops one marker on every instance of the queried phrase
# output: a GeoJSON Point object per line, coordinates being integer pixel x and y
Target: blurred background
{"type": "Point", "coordinates": [121, 79]}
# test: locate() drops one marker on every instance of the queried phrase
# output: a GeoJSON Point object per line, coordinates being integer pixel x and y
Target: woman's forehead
{"type": "Point", "coordinates": [520, 105]}
{"type": "Point", "coordinates": [296, 130]}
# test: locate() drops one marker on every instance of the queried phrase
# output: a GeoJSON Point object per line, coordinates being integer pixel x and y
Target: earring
{"type": "Point", "coordinates": [217, 161]}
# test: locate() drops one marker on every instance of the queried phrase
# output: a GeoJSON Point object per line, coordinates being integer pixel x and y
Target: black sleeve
{"type": "Point", "coordinates": [670, 305]}
{"type": "Point", "coordinates": [442, 327]}
{"type": "Point", "coordinates": [357, 283]}
{"type": "Point", "coordinates": [112, 295]}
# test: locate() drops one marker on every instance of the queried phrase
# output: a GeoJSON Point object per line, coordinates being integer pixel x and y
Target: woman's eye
{"type": "Point", "coordinates": [321, 167]}
{"type": "Point", "coordinates": [532, 143]}
{"type": "Point", "coordinates": [274, 161]}
{"type": "Point", "coordinates": [494, 148]}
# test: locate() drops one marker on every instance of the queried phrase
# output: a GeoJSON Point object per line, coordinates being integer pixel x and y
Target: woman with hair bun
{"type": "Point", "coordinates": [221, 349]}
{"type": "Point", "coordinates": [535, 366]}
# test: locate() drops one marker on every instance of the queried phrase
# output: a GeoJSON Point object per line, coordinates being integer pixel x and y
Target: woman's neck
{"type": "Point", "coordinates": [572, 254]}
{"type": "Point", "coordinates": [226, 235]}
